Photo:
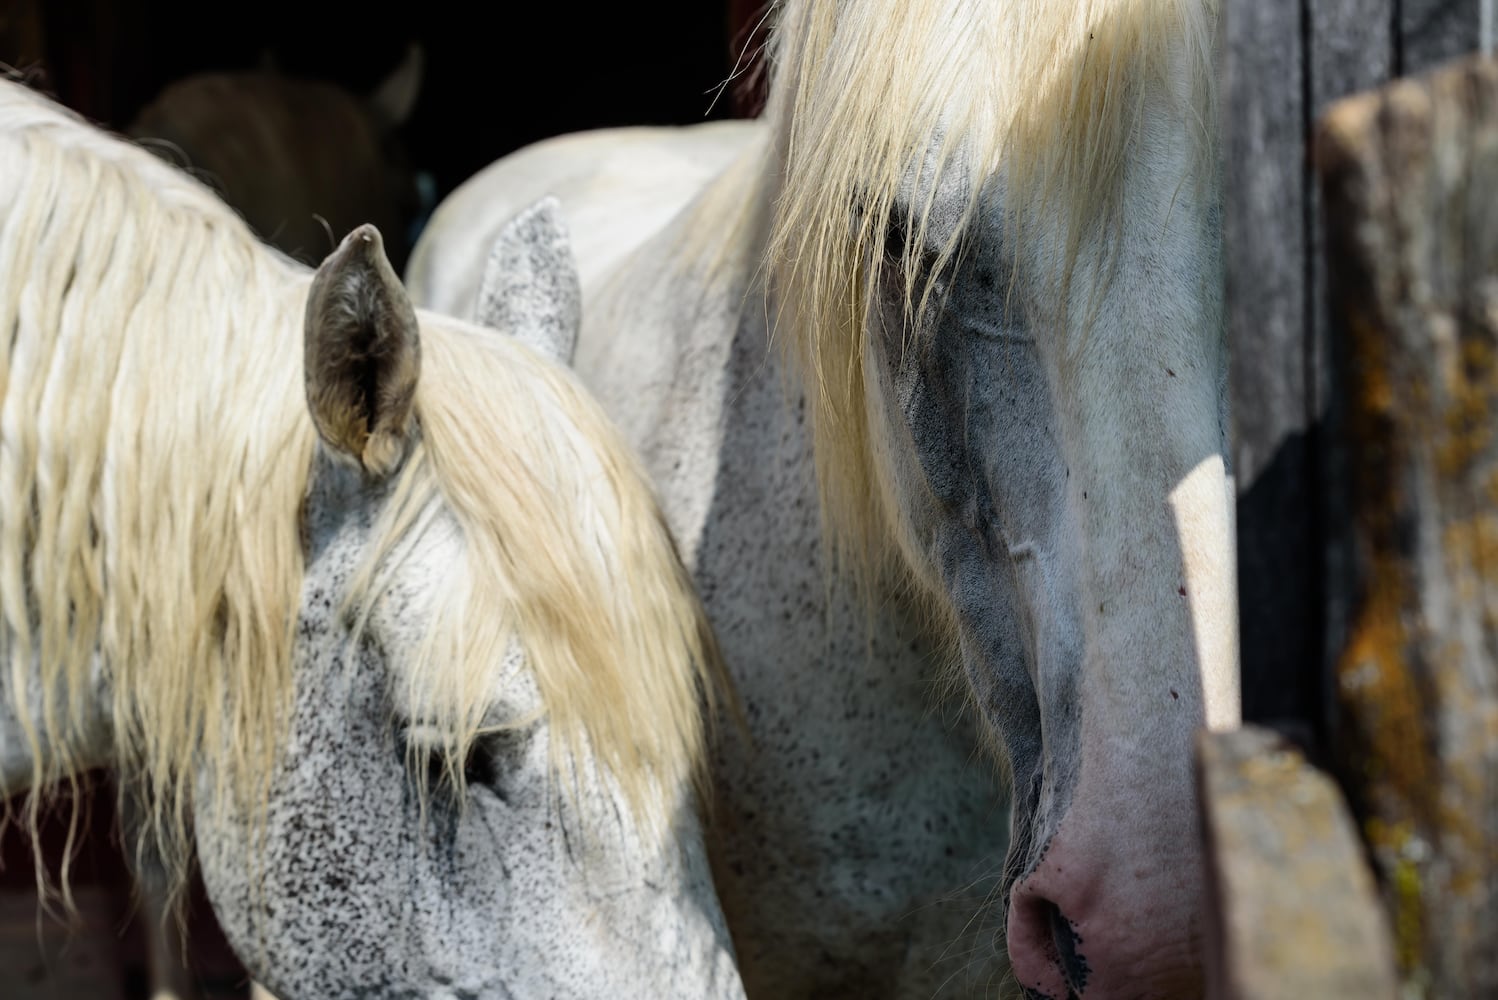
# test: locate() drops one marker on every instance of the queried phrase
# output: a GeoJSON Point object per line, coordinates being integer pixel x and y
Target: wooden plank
{"type": "Point", "coordinates": [1295, 906]}
{"type": "Point", "coordinates": [1412, 239]}
{"type": "Point", "coordinates": [1264, 222]}
{"type": "Point", "coordinates": [1436, 31]}
{"type": "Point", "coordinates": [1263, 146]}
{"type": "Point", "coordinates": [1352, 47]}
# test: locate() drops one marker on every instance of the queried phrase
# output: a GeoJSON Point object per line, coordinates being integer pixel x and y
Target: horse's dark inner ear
{"type": "Point", "coordinates": [363, 354]}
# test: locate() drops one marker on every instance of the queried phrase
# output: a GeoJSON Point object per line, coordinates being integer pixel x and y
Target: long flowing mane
{"type": "Point", "coordinates": [865, 95]}
{"type": "Point", "coordinates": [155, 453]}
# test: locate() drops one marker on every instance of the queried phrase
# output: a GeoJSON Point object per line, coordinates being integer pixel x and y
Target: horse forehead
{"type": "Point", "coordinates": [342, 527]}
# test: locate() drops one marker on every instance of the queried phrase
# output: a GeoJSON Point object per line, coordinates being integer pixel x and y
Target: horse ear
{"type": "Point", "coordinates": [393, 99]}
{"type": "Point", "coordinates": [363, 354]}
{"type": "Point", "coordinates": [531, 288]}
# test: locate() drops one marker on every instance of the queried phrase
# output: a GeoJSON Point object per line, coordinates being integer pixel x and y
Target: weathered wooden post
{"type": "Point", "coordinates": [1364, 571]}
{"type": "Point", "coordinates": [1410, 180]}
{"type": "Point", "coordinates": [1293, 907]}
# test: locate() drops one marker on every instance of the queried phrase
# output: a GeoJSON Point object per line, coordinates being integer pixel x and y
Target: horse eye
{"type": "Point", "coordinates": [900, 258]}
{"type": "Point", "coordinates": [478, 765]}
{"type": "Point", "coordinates": [426, 749]}
{"type": "Point", "coordinates": [895, 239]}
{"type": "Point", "coordinates": [896, 228]}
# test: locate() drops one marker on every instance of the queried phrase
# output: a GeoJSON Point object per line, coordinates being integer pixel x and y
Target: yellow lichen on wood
{"type": "Point", "coordinates": [1378, 694]}
{"type": "Point", "coordinates": [1468, 418]}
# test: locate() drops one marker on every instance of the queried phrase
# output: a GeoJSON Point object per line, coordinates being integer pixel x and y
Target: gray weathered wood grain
{"type": "Point", "coordinates": [1264, 224]}
{"type": "Point", "coordinates": [1436, 31]}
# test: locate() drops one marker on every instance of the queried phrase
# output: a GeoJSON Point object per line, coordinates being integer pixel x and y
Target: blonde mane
{"type": "Point", "coordinates": [156, 455]}
{"type": "Point", "coordinates": [868, 95]}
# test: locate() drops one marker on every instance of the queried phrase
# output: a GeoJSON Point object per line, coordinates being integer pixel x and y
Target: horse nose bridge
{"type": "Point", "coordinates": [1106, 902]}
{"type": "Point", "coordinates": [1158, 601]}
{"type": "Point", "coordinates": [1148, 513]}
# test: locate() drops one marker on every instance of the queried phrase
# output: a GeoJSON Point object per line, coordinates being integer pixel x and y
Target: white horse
{"type": "Point", "coordinates": [987, 232]}
{"type": "Point", "coordinates": [374, 606]}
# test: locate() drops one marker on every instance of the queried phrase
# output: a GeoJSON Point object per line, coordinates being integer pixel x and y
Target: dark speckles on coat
{"type": "Point", "coordinates": [363, 894]}
{"type": "Point", "coordinates": [831, 878]}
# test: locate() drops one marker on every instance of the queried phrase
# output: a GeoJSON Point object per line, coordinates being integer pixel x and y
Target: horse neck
{"type": "Point", "coordinates": [664, 329]}
{"type": "Point", "coordinates": [678, 344]}
{"type": "Point", "coordinates": [681, 354]}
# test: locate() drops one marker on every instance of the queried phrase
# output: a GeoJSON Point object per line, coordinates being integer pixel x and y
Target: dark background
{"type": "Point", "coordinates": [498, 75]}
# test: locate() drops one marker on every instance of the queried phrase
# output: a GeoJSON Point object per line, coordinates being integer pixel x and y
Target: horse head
{"type": "Point", "coordinates": [998, 257]}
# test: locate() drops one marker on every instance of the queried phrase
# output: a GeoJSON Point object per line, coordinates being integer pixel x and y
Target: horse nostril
{"type": "Point", "coordinates": [1068, 948]}
{"type": "Point", "coordinates": [1044, 950]}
